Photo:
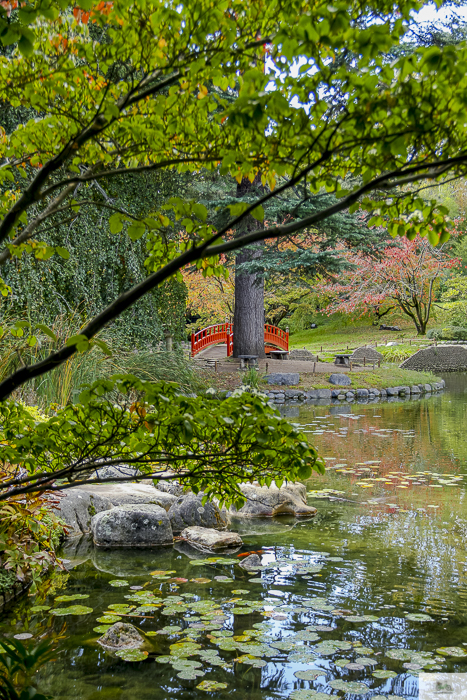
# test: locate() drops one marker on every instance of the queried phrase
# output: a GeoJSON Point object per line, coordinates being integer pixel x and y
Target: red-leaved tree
{"type": "Point", "coordinates": [405, 277]}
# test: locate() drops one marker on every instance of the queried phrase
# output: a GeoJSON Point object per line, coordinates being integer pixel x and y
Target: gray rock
{"type": "Point", "coordinates": [121, 636]}
{"type": "Point", "coordinates": [124, 494]}
{"type": "Point", "coordinates": [283, 378]}
{"type": "Point", "coordinates": [262, 501]}
{"type": "Point", "coordinates": [132, 525]}
{"type": "Point", "coordinates": [350, 395]}
{"type": "Point", "coordinates": [250, 563]}
{"type": "Point", "coordinates": [405, 390]}
{"type": "Point", "coordinates": [335, 393]}
{"type": "Point", "coordinates": [312, 394]}
{"type": "Point", "coordinates": [427, 388]}
{"type": "Point", "coordinates": [324, 393]}
{"type": "Point", "coordinates": [362, 393]}
{"type": "Point", "coordinates": [209, 539]}
{"type": "Point", "coordinates": [415, 389]}
{"type": "Point", "coordinates": [189, 510]}
{"type": "Point", "coordinates": [393, 391]}
{"type": "Point", "coordinates": [341, 397]}
{"type": "Point", "coordinates": [383, 393]}
{"type": "Point", "coordinates": [77, 507]}
{"type": "Point", "coordinates": [366, 353]}
{"type": "Point", "coordinates": [293, 393]}
{"type": "Point", "coordinates": [302, 355]}
{"type": "Point", "coordinates": [173, 487]}
{"type": "Point", "coordinates": [122, 470]}
{"type": "Point", "coordinates": [339, 379]}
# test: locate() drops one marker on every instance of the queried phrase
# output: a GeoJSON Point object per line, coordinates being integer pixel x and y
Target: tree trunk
{"type": "Point", "coordinates": [249, 290]}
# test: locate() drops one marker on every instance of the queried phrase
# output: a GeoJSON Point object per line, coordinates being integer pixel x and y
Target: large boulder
{"type": "Point", "coordinates": [77, 507]}
{"type": "Point", "coordinates": [367, 354]}
{"type": "Point", "coordinates": [251, 563]}
{"type": "Point", "coordinates": [263, 501]}
{"type": "Point", "coordinates": [283, 378]}
{"type": "Point", "coordinates": [170, 486]}
{"type": "Point", "coordinates": [123, 494]}
{"type": "Point", "coordinates": [132, 525]}
{"type": "Point", "coordinates": [188, 510]}
{"type": "Point", "coordinates": [121, 636]}
{"type": "Point", "coordinates": [117, 472]}
{"type": "Point", "coordinates": [302, 355]}
{"type": "Point", "coordinates": [207, 538]}
{"type": "Point", "coordinates": [339, 379]}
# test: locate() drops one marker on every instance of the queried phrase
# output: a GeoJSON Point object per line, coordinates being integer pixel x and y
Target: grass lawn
{"type": "Point", "coordinates": [350, 337]}
{"type": "Point", "coordinates": [379, 379]}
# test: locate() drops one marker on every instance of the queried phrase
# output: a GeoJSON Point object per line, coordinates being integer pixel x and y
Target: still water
{"type": "Point", "coordinates": [352, 604]}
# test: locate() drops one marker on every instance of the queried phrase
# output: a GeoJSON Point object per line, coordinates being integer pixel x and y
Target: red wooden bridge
{"type": "Point", "coordinates": [274, 338]}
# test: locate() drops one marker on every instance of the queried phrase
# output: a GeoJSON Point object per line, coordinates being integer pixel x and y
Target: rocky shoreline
{"type": "Point", "coordinates": [345, 394]}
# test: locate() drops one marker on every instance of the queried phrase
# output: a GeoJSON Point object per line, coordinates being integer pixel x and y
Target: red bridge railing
{"type": "Point", "coordinates": [223, 333]}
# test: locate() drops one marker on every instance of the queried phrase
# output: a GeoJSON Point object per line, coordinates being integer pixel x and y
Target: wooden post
{"type": "Point", "coordinates": [314, 367]}
{"type": "Point", "coordinates": [215, 366]}
{"type": "Point", "coordinates": [321, 348]}
{"type": "Point", "coordinates": [317, 358]}
{"type": "Point", "coordinates": [364, 361]}
{"type": "Point", "coordinates": [266, 367]}
{"type": "Point", "coordinates": [350, 366]}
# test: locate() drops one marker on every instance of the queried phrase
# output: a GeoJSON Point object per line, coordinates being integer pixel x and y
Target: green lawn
{"type": "Point", "coordinates": [379, 379]}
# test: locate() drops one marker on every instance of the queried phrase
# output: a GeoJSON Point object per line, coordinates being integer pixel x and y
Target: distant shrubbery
{"type": "Point", "coordinates": [448, 333]}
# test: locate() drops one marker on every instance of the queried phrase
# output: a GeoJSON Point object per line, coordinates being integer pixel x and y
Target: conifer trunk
{"type": "Point", "coordinates": [249, 290]}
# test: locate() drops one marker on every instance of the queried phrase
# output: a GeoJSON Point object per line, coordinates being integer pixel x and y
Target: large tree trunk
{"type": "Point", "coordinates": [249, 290]}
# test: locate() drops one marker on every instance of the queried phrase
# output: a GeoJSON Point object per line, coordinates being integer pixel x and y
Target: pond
{"type": "Point", "coordinates": [354, 603]}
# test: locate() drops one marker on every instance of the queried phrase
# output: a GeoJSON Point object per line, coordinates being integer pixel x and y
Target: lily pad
{"type": "Point", "coordinates": [211, 686]}
{"type": "Point", "coordinates": [400, 654]}
{"type": "Point", "coordinates": [350, 686]}
{"type": "Point", "coordinates": [101, 629]}
{"type": "Point", "coordinates": [200, 580]}
{"type": "Point", "coordinates": [39, 608]}
{"type": "Point", "coordinates": [419, 617]}
{"type": "Point", "coordinates": [284, 645]}
{"type": "Point", "coordinates": [361, 618]}
{"type": "Point", "coordinates": [305, 636]}
{"type": "Point", "coordinates": [121, 608]}
{"type": "Point", "coordinates": [456, 652]}
{"type": "Point", "coordinates": [240, 591]}
{"type": "Point", "coordinates": [342, 662]}
{"type": "Point", "coordinates": [190, 675]}
{"type": "Point", "coordinates": [119, 583]}
{"type": "Point", "coordinates": [355, 667]}
{"type": "Point", "coordinates": [365, 662]}
{"type": "Point", "coordinates": [308, 694]}
{"type": "Point", "coordinates": [109, 619]}
{"type": "Point", "coordinates": [384, 674]}
{"type": "Point", "coordinates": [132, 655]}
{"type": "Point", "coordinates": [72, 610]}
{"type": "Point", "coordinates": [69, 598]}
{"type": "Point", "coordinates": [310, 674]}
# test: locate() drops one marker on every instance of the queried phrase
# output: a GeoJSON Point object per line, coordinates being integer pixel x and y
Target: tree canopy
{"type": "Point", "coordinates": [301, 95]}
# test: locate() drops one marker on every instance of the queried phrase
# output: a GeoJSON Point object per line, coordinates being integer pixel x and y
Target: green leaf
{"type": "Point", "coordinates": [62, 252]}
{"type": "Point", "coordinates": [258, 213]}
{"type": "Point", "coordinates": [115, 223]}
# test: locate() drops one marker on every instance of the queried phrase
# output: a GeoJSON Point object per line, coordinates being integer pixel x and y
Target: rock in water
{"type": "Point", "coordinates": [208, 538]}
{"type": "Point", "coordinates": [123, 494]}
{"type": "Point", "coordinates": [132, 525]}
{"type": "Point", "coordinates": [77, 507]}
{"type": "Point", "coordinates": [339, 379]}
{"type": "Point", "coordinates": [121, 636]}
{"type": "Point", "coordinates": [189, 510]}
{"type": "Point", "coordinates": [251, 562]}
{"type": "Point", "coordinates": [283, 378]}
{"type": "Point", "coordinates": [262, 501]}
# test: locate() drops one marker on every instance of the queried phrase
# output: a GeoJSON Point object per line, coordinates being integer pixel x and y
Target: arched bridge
{"type": "Point", "coordinates": [274, 337]}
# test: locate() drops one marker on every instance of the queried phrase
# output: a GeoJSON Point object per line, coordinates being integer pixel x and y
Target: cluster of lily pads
{"type": "Point", "coordinates": [193, 634]}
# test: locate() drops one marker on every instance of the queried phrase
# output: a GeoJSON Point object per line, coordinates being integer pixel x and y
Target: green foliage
{"type": "Point", "coordinates": [18, 664]}
{"type": "Point", "coordinates": [448, 333]}
{"type": "Point", "coordinates": [7, 580]}
{"type": "Point", "coordinates": [206, 443]}
{"type": "Point", "coordinates": [250, 378]}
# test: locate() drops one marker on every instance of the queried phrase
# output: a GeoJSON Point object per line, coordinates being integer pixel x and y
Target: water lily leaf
{"type": "Point", "coordinates": [109, 619]}
{"type": "Point", "coordinates": [190, 675]}
{"type": "Point", "coordinates": [72, 610]}
{"type": "Point", "coordinates": [69, 598]}
{"type": "Point", "coordinates": [200, 580]}
{"type": "Point", "coordinates": [456, 652]}
{"type": "Point", "coordinates": [185, 664]}
{"type": "Point", "coordinates": [121, 607]}
{"type": "Point", "coordinates": [118, 583]}
{"type": "Point", "coordinates": [132, 655]}
{"type": "Point", "coordinates": [355, 667]}
{"type": "Point", "coordinates": [255, 580]}
{"type": "Point", "coordinates": [164, 659]}
{"type": "Point", "coordinates": [361, 618]}
{"type": "Point", "coordinates": [101, 629]}
{"type": "Point", "coordinates": [365, 662]}
{"type": "Point", "coordinates": [210, 686]}
{"type": "Point", "coordinates": [384, 674]}
{"type": "Point", "coordinates": [400, 654]}
{"type": "Point", "coordinates": [180, 649]}
{"type": "Point", "coordinates": [240, 591]}
{"type": "Point", "coordinates": [305, 636]}
{"type": "Point", "coordinates": [419, 617]}
{"type": "Point", "coordinates": [364, 650]}
{"type": "Point", "coordinates": [223, 633]}
{"type": "Point", "coordinates": [302, 657]}
{"type": "Point", "coordinates": [308, 694]}
{"type": "Point", "coordinates": [284, 645]}
{"type": "Point", "coordinates": [310, 674]}
{"type": "Point", "coordinates": [39, 608]}
{"type": "Point", "coordinates": [412, 667]}
{"type": "Point", "coordinates": [350, 686]}
{"type": "Point", "coordinates": [342, 662]}
{"type": "Point", "coordinates": [223, 579]}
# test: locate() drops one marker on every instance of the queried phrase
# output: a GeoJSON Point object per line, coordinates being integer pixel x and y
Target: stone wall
{"type": "Point", "coordinates": [446, 358]}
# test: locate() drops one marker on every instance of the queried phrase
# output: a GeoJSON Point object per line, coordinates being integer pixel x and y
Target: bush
{"type": "Point", "coordinates": [448, 333]}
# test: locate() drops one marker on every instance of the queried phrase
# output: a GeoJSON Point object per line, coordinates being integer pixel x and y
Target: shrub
{"type": "Point", "coordinates": [448, 333]}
